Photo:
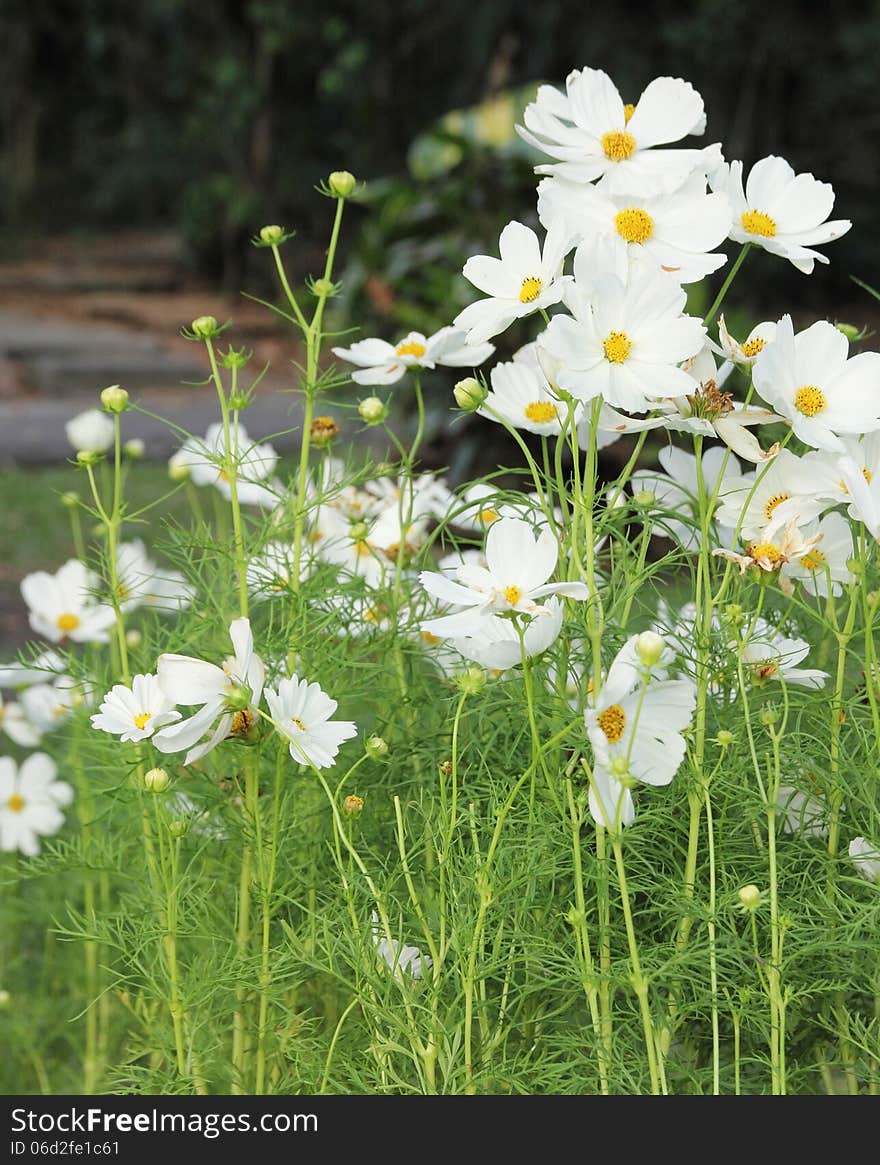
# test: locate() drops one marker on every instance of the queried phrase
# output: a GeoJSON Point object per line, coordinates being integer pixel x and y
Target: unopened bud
{"type": "Point", "coordinates": [849, 330]}
{"type": "Point", "coordinates": [237, 697]}
{"type": "Point", "coordinates": [134, 449]}
{"type": "Point", "coordinates": [178, 826]}
{"type": "Point", "coordinates": [644, 497]}
{"type": "Point", "coordinates": [179, 466]}
{"type": "Point", "coordinates": [377, 747]}
{"type": "Point", "coordinates": [650, 647]}
{"type": "Point", "coordinates": [749, 896]}
{"type": "Point", "coordinates": [725, 738]}
{"type": "Point", "coordinates": [769, 716]}
{"type": "Point", "coordinates": [272, 235]}
{"type": "Point", "coordinates": [204, 327]}
{"type": "Point", "coordinates": [358, 531]}
{"type": "Point", "coordinates": [353, 805]}
{"type": "Point", "coordinates": [469, 394]}
{"type": "Point", "coordinates": [70, 499]}
{"type": "Point", "coordinates": [156, 781]}
{"type": "Point", "coordinates": [323, 288]}
{"type": "Point", "coordinates": [471, 681]}
{"type": "Point", "coordinates": [88, 457]}
{"type": "Point", "coordinates": [114, 399]}
{"type": "Point", "coordinates": [323, 431]}
{"type": "Point", "coordinates": [133, 637]}
{"type": "Point", "coordinates": [235, 357]}
{"type": "Point", "coordinates": [341, 183]}
{"type": "Point", "coordinates": [372, 410]}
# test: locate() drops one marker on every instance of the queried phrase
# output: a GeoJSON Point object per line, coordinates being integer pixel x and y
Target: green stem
{"type": "Point", "coordinates": [725, 286]}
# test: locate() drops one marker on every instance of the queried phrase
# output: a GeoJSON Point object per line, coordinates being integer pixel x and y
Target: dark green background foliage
{"type": "Point", "coordinates": [215, 118]}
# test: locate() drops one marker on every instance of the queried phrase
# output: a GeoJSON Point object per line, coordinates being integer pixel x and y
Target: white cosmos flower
{"type": "Point", "coordinates": [635, 724]}
{"type": "Point", "coordinates": [397, 956]}
{"type": "Point", "coordinates": [747, 352]}
{"type": "Point", "coordinates": [17, 726]}
{"type": "Point", "coordinates": [676, 491]}
{"type": "Point", "coordinates": [865, 858]}
{"type": "Point", "coordinates": [62, 605]}
{"type": "Point", "coordinates": [204, 458]}
{"type": "Point", "coordinates": [810, 379]}
{"type": "Point", "coordinates": [383, 363]}
{"type": "Point", "coordinates": [143, 583]}
{"type": "Point", "coordinates": [45, 665]}
{"type": "Point", "coordinates": [624, 341]}
{"type": "Point", "coordinates": [515, 576]}
{"type": "Point", "coordinates": [783, 212]}
{"type": "Point", "coordinates": [803, 813]}
{"type": "Point", "coordinates": [865, 495]}
{"type": "Point", "coordinates": [270, 572]}
{"type": "Point", "coordinates": [227, 695]}
{"type": "Point", "coordinates": [136, 712]}
{"type": "Point", "coordinates": [47, 706]}
{"type": "Point", "coordinates": [524, 280]}
{"type": "Point", "coordinates": [301, 713]}
{"type": "Point", "coordinates": [495, 645]}
{"type": "Point", "coordinates": [675, 232]}
{"type": "Point", "coordinates": [90, 432]}
{"type": "Point", "coordinates": [772, 655]}
{"type": "Point", "coordinates": [770, 496]}
{"type": "Point", "coordinates": [825, 563]}
{"type": "Point", "coordinates": [824, 472]}
{"type": "Point", "coordinates": [31, 800]}
{"type": "Point", "coordinates": [523, 398]}
{"type": "Point", "coordinates": [594, 135]}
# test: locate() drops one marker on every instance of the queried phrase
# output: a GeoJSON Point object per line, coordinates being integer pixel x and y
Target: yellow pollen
{"type": "Point", "coordinates": [767, 551]}
{"type": "Point", "coordinates": [867, 475]}
{"type": "Point", "coordinates": [15, 803]}
{"type": "Point", "coordinates": [67, 622]}
{"type": "Point", "coordinates": [753, 347]}
{"type": "Point", "coordinates": [618, 146]}
{"type": "Point", "coordinates": [634, 224]}
{"type": "Point", "coordinates": [773, 502]}
{"type": "Point", "coordinates": [488, 516]}
{"type": "Point", "coordinates": [242, 721]}
{"type": "Point", "coordinates": [810, 400]}
{"type": "Point", "coordinates": [767, 670]}
{"type": "Point", "coordinates": [612, 722]}
{"type": "Point", "coordinates": [815, 560]}
{"type": "Point", "coordinates": [141, 719]}
{"type": "Point", "coordinates": [299, 723]}
{"type": "Point", "coordinates": [513, 595]}
{"type": "Point", "coordinates": [429, 637]}
{"type": "Point", "coordinates": [628, 110]}
{"type": "Point", "coordinates": [411, 348]}
{"type": "Point", "coordinates": [755, 222]}
{"type": "Point", "coordinates": [617, 347]}
{"type": "Point", "coordinates": [362, 549]}
{"type": "Point", "coordinates": [540, 411]}
{"type": "Point", "coordinates": [223, 476]}
{"type": "Point", "coordinates": [531, 289]}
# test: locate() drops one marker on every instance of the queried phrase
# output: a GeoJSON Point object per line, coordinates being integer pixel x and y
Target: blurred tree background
{"type": "Point", "coordinates": [212, 119]}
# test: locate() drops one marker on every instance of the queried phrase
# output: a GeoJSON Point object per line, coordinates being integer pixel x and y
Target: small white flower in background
{"type": "Point", "coordinates": [803, 813]}
{"type": "Point", "coordinates": [676, 491]}
{"type": "Point", "coordinates": [595, 135]}
{"type": "Point", "coordinates": [47, 706]}
{"type": "Point", "coordinates": [824, 564]}
{"type": "Point", "coordinates": [824, 469]}
{"type": "Point", "coordinates": [772, 655]}
{"type": "Point", "coordinates": [768, 497]}
{"type": "Point", "coordinates": [675, 232]}
{"type": "Point", "coordinates": [228, 695]}
{"type": "Point", "coordinates": [44, 666]}
{"type": "Point", "coordinates": [383, 363]}
{"type": "Point", "coordinates": [747, 352]}
{"type": "Point", "coordinates": [865, 495]}
{"type": "Point", "coordinates": [143, 583]}
{"type": "Point", "coordinates": [62, 605]}
{"type": "Point", "coordinates": [524, 280]}
{"type": "Point", "coordinates": [301, 713]}
{"type": "Point", "coordinates": [399, 958]}
{"type": "Point", "coordinates": [270, 572]}
{"type": "Point", "coordinates": [635, 724]}
{"type": "Point", "coordinates": [783, 212]}
{"type": "Point", "coordinates": [522, 396]}
{"type": "Point", "coordinates": [811, 380]}
{"type": "Point", "coordinates": [518, 566]}
{"type": "Point", "coordinates": [17, 726]}
{"type": "Point", "coordinates": [203, 459]}
{"type": "Point", "coordinates": [31, 800]}
{"type": "Point", "coordinates": [135, 712]}
{"type": "Point", "coordinates": [624, 341]}
{"type": "Point", "coordinates": [90, 432]}
{"type": "Point", "coordinates": [865, 858]}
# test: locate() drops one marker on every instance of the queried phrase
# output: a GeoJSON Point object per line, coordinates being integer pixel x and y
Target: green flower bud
{"type": "Point", "coordinates": [235, 357]}
{"type": "Point", "coordinates": [650, 647]}
{"type": "Point", "coordinates": [749, 896]}
{"type": "Point", "coordinates": [470, 394]}
{"type": "Point", "coordinates": [358, 531]}
{"type": "Point", "coordinates": [376, 747]}
{"type": "Point", "coordinates": [156, 781]}
{"type": "Point", "coordinates": [769, 716]}
{"type": "Point", "coordinates": [88, 457]}
{"type": "Point", "coordinates": [114, 399]}
{"type": "Point", "coordinates": [239, 401]}
{"type": "Point", "coordinates": [725, 738]}
{"type": "Point", "coordinates": [341, 184]}
{"type": "Point", "coordinates": [323, 288]}
{"type": "Point", "coordinates": [353, 805]}
{"type": "Point", "coordinates": [70, 499]}
{"type": "Point", "coordinates": [204, 327]}
{"type": "Point", "coordinates": [134, 449]}
{"type": "Point", "coordinates": [849, 330]}
{"type": "Point", "coordinates": [372, 410]}
{"type": "Point", "coordinates": [644, 497]}
{"type": "Point", "coordinates": [471, 681]}
{"type": "Point", "coordinates": [272, 236]}
{"type": "Point", "coordinates": [238, 697]}
{"type": "Point", "coordinates": [178, 827]}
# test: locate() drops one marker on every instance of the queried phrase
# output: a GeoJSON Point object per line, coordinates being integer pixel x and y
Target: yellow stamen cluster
{"type": "Point", "coordinates": [487, 517]}
{"type": "Point", "coordinates": [411, 348]}
{"type": "Point", "coordinates": [771, 504]}
{"type": "Point", "coordinates": [540, 411]}
{"type": "Point", "coordinates": [815, 560]}
{"type": "Point", "coordinates": [67, 622]}
{"type": "Point", "coordinates": [617, 347]}
{"type": "Point", "coordinates": [15, 803]}
{"type": "Point", "coordinates": [767, 553]}
{"type": "Point", "coordinates": [755, 222]}
{"type": "Point", "coordinates": [810, 400]}
{"type": "Point", "coordinates": [618, 145]}
{"type": "Point", "coordinates": [612, 722]}
{"type": "Point", "coordinates": [634, 224]}
{"type": "Point", "coordinates": [142, 719]}
{"type": "Point", "coordinates": [753, 347]}
{"type": "Point", "coordinates": [530, 289]}
{"type": "Point", "coordinates": [513, 595]}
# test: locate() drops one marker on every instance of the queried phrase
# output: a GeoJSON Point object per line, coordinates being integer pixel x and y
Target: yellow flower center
{"type": "Point", "coordinates": [773, 502]}
{"type": "Point", "coordinates": [488, 516]}
{"type": "Point", "coordinates": [753, 347]}
{"type": "Point", "coordinates": [411, 348]}
{"type": "Point", "coordinates": [15, 803]}
{"type": "Point", "coordinates": [67, 622]}
{"type": "Point", "coordinates": [242, 722]}
{"type": "Point", "coordinates": [362, 548]}
{"type": "Point", "coordinates": [429, 637]}
{"type": "Point", "coordinates": [755, 222]}
{"type": "Point", "coordinates": [634, 224]}
{"type": "Point", "coordinates": [223, 476]}
{"type": "Point", "coordinates": [540, 411]}
{"type": "Point", "coordinates": [766, 551]}
{"type": "Point", "coordinates": [618, 145]}
{"type": "Point", "coordinates": [142, 719]}
{"type": "Point", "coordinates": [809, 400]}
{"type": "Point", "coordinates": [299, 723]}
{"type": "Point", "coordinates": [867, 475]}
{"type": "Point", "coordinates": [617, 347]}
{"type": "Point", "coordinates": [612, 722]}
{"type": "Point", "coordinates": [628, 110]}
{"type": "Point", "coordinates": [530, 290]}
{"type": "Point", "coordinates": [513, 595]}
{"type": "Point", "coordinates": [815, 560]}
